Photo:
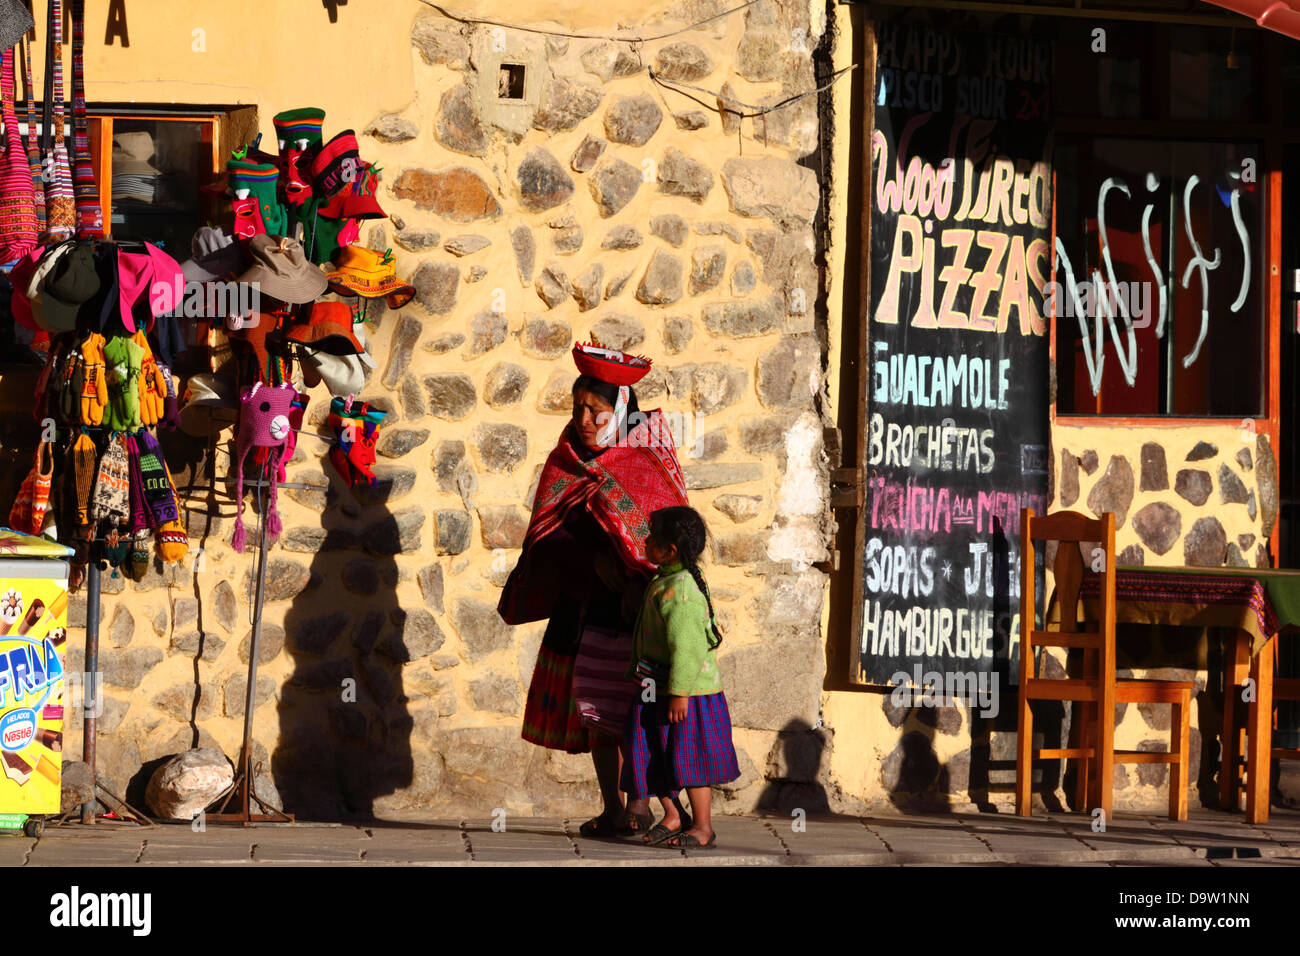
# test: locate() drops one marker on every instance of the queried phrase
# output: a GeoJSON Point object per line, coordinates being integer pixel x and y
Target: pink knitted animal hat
{"type": "Point", "coordinates": [263, 423]}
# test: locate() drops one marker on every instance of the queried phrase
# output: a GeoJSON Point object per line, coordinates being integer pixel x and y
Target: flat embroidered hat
{"type": "Point", "coordinates": [370, 274]}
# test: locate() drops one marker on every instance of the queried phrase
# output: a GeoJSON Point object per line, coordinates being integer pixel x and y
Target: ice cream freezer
{"type": "Point", "coordinates": [33, 648]}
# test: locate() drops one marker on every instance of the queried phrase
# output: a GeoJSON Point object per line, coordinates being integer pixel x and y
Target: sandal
{"type": "Point", "coordinates": [598, 827]}
{"type": "Point", "coordinates": [658, 834]}
{"type": "Point", "coordinates": [687, 842]}
{"type": "Point", "coordinates": [641, 820]}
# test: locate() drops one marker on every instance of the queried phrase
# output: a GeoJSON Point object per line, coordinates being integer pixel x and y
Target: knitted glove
{"type": "Point", "coordinates": [123, 358]}
{"type": "Point", "coordinates": [94, 387]}
{"type": "Point", "coordinates": [153, 387]}
{"type": "Point", "coordinates": [171, 417]}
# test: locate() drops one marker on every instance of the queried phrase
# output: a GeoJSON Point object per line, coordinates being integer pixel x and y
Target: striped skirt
{"type": "Point", "coordinates": [660, 758]}
{"type": "Point", "coordinates": [551, 712]}
{"type": "Point", "coordinates": [601, 688]}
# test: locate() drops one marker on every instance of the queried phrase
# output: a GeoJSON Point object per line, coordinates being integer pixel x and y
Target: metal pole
{"type": "Point", "coordinates": [245, 753]}
{"type": "Point", "coordinates": [90, 689]}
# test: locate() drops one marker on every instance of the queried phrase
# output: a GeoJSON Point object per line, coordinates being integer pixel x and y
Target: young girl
{"type": "Point", "coordinates": [679, 732]}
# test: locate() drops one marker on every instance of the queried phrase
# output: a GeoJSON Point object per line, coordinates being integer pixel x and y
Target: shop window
{"type": "Point", "coordinates": [1160, 286]}
{"type": "Point", "coordinates": [157, 166]}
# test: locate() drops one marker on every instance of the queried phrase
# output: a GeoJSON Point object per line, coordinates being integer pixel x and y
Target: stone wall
{"type": "Point", "coordinates": [597, 202]}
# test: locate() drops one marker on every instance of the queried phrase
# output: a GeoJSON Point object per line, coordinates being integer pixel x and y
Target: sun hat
{"type": "Point", "coordinates": [204, 394]}
{"type": "Point", "coordinates": [68, 289]}
{"type": "Point", "coordinates": [370, 274]}
{"type": "Point", "coordinates": [304, 123]}
{"type": "Point", "coordinates": [19, 276]}
{"type": "Point", "coordinates": [48, 260]}
{"type": "Point", "coordinates": [214, 256]}
{"type": "Point", "coordinates": [281, 271]}
{"type": "Point", "coordinates": [325, 327]}
{"type": "Point", "coordinates": [342, 374]}
{"type": "Point", "coordinates": [131, 153]}
{"type": "Point", "coordinates": [151, 279]}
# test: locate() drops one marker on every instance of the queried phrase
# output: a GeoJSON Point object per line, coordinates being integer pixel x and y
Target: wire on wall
{"type": "Point", "coordinates": [470, 18]}
{"type": "Point", "coordinates": [729, 103]}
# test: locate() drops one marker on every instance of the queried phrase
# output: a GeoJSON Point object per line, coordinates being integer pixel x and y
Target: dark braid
{"type": "Point", "coordinates": [685, 529]}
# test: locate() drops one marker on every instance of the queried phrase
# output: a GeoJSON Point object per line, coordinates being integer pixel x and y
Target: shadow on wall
{"type": "Point", "coordinates": [794, 767]}
{"type": "Point", "coordinates": [345, 730]}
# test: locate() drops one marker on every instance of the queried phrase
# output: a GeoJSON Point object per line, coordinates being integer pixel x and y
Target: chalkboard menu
{"type": "Point", "coordinates": [957, 401]}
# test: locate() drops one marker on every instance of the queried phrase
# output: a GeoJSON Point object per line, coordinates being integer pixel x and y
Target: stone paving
{"type": "Point", "coordinates": [1208, 838]}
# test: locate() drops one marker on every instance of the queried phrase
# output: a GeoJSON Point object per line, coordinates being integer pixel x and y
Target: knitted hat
{"type": "Point", "coordinates": [253, 180]}
{"type": "Point", "coordinates": [248, 218]}
{"type": "Point", "coordinates": [117, 547]}
{"type": "Point", "coordinates": [173, 543]}
{"type": "Point", "coordinates": [83, 453]}
{"type": "Point", "coordinates": [304, 123]}
{"type": "Point", "coordinates": [139, 554]}
{"type": "Point", "coordinates": [111, 496]}
{"type": "Point", "coordinates": [140, 518]}
{"type": "Point", "coordinates": [158, 490]}
{"type": "Point", "coordinates": [263, 423]}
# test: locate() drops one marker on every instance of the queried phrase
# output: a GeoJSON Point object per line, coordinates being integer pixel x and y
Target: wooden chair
{"type": "Point", "coordinates": [1095, 692]}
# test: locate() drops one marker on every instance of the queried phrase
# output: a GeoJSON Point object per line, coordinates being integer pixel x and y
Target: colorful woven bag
{"type": "Point", "coordinates": [60, 205]}
{"type": "Point", "coordinates": [17, 212]}
{"type": "Point", "coordinates": [33, 499]}
{"type": "Point", "coordinates": [90, 215]}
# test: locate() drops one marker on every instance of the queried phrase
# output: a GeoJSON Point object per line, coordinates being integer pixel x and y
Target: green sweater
{"type": "Point", "coordinates": [673, 631]}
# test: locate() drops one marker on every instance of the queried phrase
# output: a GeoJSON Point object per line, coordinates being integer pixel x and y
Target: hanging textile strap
{"type": "Point", "coordinates": [90, 215]}
{"type": "Point", "coordinates": [33, 149]}
{"type": "Point", "coordinates": [60, 210]}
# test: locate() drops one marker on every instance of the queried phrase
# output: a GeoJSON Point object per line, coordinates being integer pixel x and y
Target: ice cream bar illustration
{"type": "Point", "coordinates": [16, 768]}
{"type": "Point", "coordinates": [48, 769]}
{"type": "Point", "coordinates": [51, 738]}
{"type": "Point", "coordinates": [34, 613]}
{"type": "Point", "coordinates": [11, 610]}
{"type": "Point", "coordinates": [57, 606]}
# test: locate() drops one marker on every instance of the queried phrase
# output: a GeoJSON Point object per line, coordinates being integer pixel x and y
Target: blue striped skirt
{"type": "Point", "coordinates": [660, 758]}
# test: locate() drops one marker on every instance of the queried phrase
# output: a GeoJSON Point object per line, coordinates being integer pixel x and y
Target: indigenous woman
{"type": "Point", "coordinates": [584, 569]}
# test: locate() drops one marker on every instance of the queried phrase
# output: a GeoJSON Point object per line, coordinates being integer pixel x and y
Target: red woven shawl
{"type": "Point", "coordinates": [620, 488]}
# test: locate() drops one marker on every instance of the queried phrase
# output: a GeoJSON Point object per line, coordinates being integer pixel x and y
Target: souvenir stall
{"type": "Point", "coordinates": [275, 303]}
